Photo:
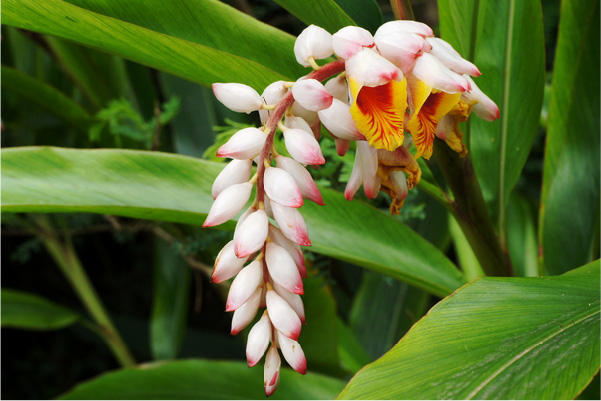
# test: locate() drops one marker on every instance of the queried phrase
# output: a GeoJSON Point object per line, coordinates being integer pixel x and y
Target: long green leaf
{"type": "Point", "coordinates": [502, 338]}
{"type": "Point", "coordinates": [170, 303]}
{"type": "Point", "coordinates": [197, 379]}
{"type": "Point", "coordinates": [333, 15]}
{"type": "Point", "coordinates": [202, 62]}
{"type": "Point", "coordinates": [521, 237]}
{"type": "Point", "coordinates": [160, 186]}
{"type": "Point", "coordinates": [510, 55]}
{"type": "Point", "coordinates": [47, 97]}
{"type": "Point", "coordinates": [570, 193]}
{"type": "Point", "coordinates": [22, 310]}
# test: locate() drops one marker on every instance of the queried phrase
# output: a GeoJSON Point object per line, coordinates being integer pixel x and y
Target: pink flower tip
{"type": "Point", "coordinates": [476, 72]}
{"type": "Point", "coordinates": [304, 241]}
{"type": "Point", "coordinates": [302, 368]}
{"type": "Point", "coordinates": [251, 362]}
{"type": "Point", "coordinates": [208, 223]}
{"type": "Point", "coordinates": [234, 331]}
{"type": "Point", "coordinates": [229, 307]}
{"type": "Point", "coordinates": [298, 289]}
{"type": "Point", "coordinates": [497, 114]}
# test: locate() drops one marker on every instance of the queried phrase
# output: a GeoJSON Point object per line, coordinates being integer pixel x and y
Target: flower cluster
{"type": "Point", "coordinates": [400, 80]}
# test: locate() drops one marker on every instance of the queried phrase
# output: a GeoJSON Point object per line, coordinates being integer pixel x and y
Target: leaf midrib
{"type": "Point", "coordinates": [553, 334]}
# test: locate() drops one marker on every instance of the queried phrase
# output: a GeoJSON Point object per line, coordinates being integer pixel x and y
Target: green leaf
{"type": "Point", "coordinates": [333, 15]}
{"type": "Point", "coordinates": [196, 379]}
{"type": "Point", "coordinates": [204, 42]}
{"type": "Point", "coordinates": [22, 310]}
{"type": "Point", "coordinates": [170, 303]}
{"type": "Point", "coordinates": [352, 354]}
{"type": "Point", "coordinates": [502, 338]}
{"type": "Point", "coordinates": [521, 237]}
{"type": "Point", "coordinates": [570, 193]}
{"type": "Point", "coordinates": [160, 186]}
{"type": "Point", "coordinates": [513, 72]}
{"type": "Point", "coordinates": [46, 96]}
{"type": "Point", "coordinates": [468, 262]}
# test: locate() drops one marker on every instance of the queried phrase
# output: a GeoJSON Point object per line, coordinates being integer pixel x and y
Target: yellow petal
{"type": "Point", "coordinates": [379, 112]}
{"type": "Point", "coordinates": [426, 115]}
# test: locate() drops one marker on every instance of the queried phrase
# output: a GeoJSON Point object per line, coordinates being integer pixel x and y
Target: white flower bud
{"type": "Point", "coordinates": [250, 236]}
{"type": "Point", "coordinates": [227, 265]}
{"type": "Point", "coordinates": [282, 316]}
{"type": "Point", "coordinates": [338, 88]}
{"type": "Point", "coordinates": [244, 144]}
{"type": "Point", "coordinates": [485, 108]}
{"type": "Point", "coordinates": [297, 123]}
{"type": "Point", "coordinates": [258, 340]}
{"type": "Point", "coordinates": [293, 248]}
{"type": "Point", "coordinates": [293, 354]}
{"type": "Point", "coordinates": [309, 116]}
{"type": "Point", "coordinates": [342, 146]}
{"type": "Point", "coordinates": [245, 314]}
{"type": "Point", "coordinates": [369, 168]}
{"type": "Point", "coordinates": [400, 48]}
{"type": "Point", "coordinates": [271, 95]}
{"type": "Point", "coordinates": [405, 26]}
{"type": "Point", "coordinates": [444, 52]}
{"type": "Point", "coordinates": [291, 223]}
{"type": "Point", "coordinates": [294, 300]}
{"type": "Point", "coordinates": [303, 147]}
{"type": "Point", "coordinates": [302, 178]}
{"type": "Point", "coordinates": [237, 97]}
{"type": "Point", "coordinates": [235, 172]}
{"type": "Point", "coordinates": [350, 40]}
{"type": "Point", "coordinates": [338, 120]}
{"type": "Point", "coordinates": [228, 204]}
{"type": "Point", "coordinates": [313, 42]}
{"type": "Point", "coordinates": [281, 187]}
{"type": "Point", "coordinates": [271, 371]}
{"type": "Point", "coordinates": [355, 180]}
{"type": "Point", "coordinates": [368, 68]}
{"type": "Point", "coordinates": [311, 94]}
{"type": "Point", "coordinates": [282, 268]}
{"type": "Point", "coordinates": [244, 285]}
{"type": "Point", "coordinates": [435, 74]}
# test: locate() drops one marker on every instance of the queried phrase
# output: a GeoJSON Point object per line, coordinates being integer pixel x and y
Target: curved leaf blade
{"type": "Point", "coordinates": [502, 338]}
{"type": "Point", "coordinates": [22, 310]}
{"type": "Point", "coordinates": [196, 379]}
{"type": "Point", "coordinates": [570, 193]}
{"type": "Point", "coordinates": [168, 53]}
{"type": "Point", "coordinates": [161, 186]}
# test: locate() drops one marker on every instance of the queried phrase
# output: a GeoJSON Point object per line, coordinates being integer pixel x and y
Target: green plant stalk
{"type": "Point", "coordinates": [471, 212]}
{"type": "Point", "coordinates": [65, 256]}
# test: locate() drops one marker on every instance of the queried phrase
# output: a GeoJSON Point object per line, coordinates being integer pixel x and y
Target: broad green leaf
{"type": "Point", "coordinates": [22, 310]}
{"type": "Point", "coordinates": [194, 58]}
{"type": "Point", "coordinates": [196, 379]}
{"type": "Point", "coordinates": [333, 15]}
{"type": "Point", "coordinates": [352, 354]}
{"type": "Point", "coordinates": [521, 237]}
{"type": "Point", "coordinates": [47, 97]}
{"type": "Point", "coordinates": [160, 186]}
{"type": "Point", "coordinates": [502, 338]}
{"type": "Point", "coordinates": [101, 77]}
{"type": "Point", "coordinates": [170, 301]}
{"type": "Point", "coordinates": [570, 193]}
{"type": "Point", "coordinates": [513, 72]}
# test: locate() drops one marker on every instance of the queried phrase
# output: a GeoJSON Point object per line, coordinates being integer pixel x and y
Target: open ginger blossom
{"type": "Point", "coordinates": [384, 92]}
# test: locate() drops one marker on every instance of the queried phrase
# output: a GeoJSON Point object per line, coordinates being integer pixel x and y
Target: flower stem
{"type": "Point", "coordinates": [65, 256]}
{"type": "Point", "coordinates": [471, 212]}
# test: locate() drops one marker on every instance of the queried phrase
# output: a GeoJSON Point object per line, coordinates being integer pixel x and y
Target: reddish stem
{"type": "Point", "coordinates": [326, 71]}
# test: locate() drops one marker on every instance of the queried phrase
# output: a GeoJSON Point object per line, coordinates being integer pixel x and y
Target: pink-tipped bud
{"type": "Point", "coordinates": [251, 234]}
{"type": "Point", "coordinates": [271, 371]}
{"type": "Point", "coordinates": [435, 74]}
{"type": "Point", "coordinates": [342, 146]}
{"type": "Point", "coordinates": [291, 247]}
{"type": "Point", "coordinates": [281, 188]}
{"type": "Point", "coordinates": [282, 268]}
{"type": "Point", "coordinates": [313, 42]}
{"type": "Point", "coordinates": [401, 48]}
{"type": "Point", "coordinates": [282, 315]}
{"type": "Point", "coordinates": [311, 94]}
{"type": "Point", "coordinates": [246, 313]}
{"type": "Point", "coordinates": [444, 52]}
{"type": "Point", "coordinates": [227, 265]}
{"type": "Point", "coordinates": [338, 88]}
{"type": "Point", "coordinates": [258, 340]}
{"type": "Point", "coordinates": [294, 300]}
{"type": "Point", "coordinates": [244, 144]}
{"type": "Point", "coordinates": [355, 180]}
{"type": "Point", "coordinates": [293, 354]}
{"type": "Point", "coordinates": [338, 120]}
{"type": "Point", "coordinates": [302, 178]}
{"type": "Point", "coordinates": [369, 168]}
{"type": "Point", "coordinates": [235, 172]}
{"type": "Point", "coordinates": [228, 204]}
{"type": "Point", "coordinates": [369, 68]}
{"type": "Point", "coordinates": [349, 40]}
{"type": "Point", "coordinates": [237, 97]}
{"type": "Point", "coordinates": [399, 184]}
{"type": "Point", "coordinates": [405, 26]}
{"type": "Point", "coordinates": [244, 285]}
{"type": "Point", "coordinates": [298, 123]}
{"type": "Point", "coordinates": [309, 116]}
{"type": "Point", "coordinates": [243, 217]}
{"type": "Point", "coordinates": [485, 108]}
{"type": "Point", "coordinates": [303, 147]}
{"type": "Point", "coordinates": [291, 223]}
{"type": "Point", "coordinates": [271, 95]}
